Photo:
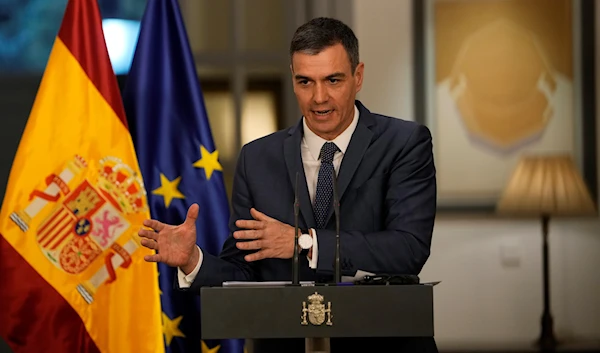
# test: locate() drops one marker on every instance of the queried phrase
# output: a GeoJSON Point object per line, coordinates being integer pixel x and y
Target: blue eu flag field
{"type": "Point", "coordinates": [178, 159]}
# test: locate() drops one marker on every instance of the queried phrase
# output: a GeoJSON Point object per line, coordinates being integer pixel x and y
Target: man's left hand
{"type": "Point", "coordinates": [272, 238]}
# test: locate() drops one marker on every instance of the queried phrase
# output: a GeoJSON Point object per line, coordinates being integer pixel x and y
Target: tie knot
{"type": "Point", "coordinates": [327, 152]}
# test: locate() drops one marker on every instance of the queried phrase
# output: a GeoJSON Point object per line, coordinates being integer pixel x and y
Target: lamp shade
{"type": "Point", "coordinates": [547, 185]}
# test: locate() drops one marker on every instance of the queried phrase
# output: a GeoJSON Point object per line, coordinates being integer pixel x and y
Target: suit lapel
{"type": "Point", "coordinates": [293, 160]}
{"type": "Point", "coordinates": [356, 150]}
{"type": "Point", "coordinates": [361, 138]}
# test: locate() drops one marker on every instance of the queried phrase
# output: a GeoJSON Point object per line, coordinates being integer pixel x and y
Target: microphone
{"type": "Point", "coordinates": [336, 209]}
{"type": "Point", "coordinates": [295, 276]}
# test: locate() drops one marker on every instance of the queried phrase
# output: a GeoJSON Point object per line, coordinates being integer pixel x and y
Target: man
{"type": "Point", "coordinates": [385, 178]}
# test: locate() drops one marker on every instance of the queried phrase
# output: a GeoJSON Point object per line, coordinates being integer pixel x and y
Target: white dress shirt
{"type": "Point", "coordinates": [310, 149]}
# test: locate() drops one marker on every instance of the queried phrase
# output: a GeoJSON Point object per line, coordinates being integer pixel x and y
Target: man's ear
{"type": "Point", "coordinates": [358, 75]}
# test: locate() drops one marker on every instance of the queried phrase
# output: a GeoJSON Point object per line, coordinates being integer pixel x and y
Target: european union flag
{"type": "Point", "coordinates": [178, 159]}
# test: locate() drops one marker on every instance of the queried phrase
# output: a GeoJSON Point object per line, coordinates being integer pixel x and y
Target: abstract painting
{"type": "Point", "coordinates": [501, 82]}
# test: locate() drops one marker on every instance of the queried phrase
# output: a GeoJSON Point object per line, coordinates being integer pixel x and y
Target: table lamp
{"type": "Point", "coordinates": [546, 186]}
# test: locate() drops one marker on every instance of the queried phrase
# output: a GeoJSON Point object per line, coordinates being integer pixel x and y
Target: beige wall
{"type": "Point", "coordinates": [491, 269]}
{"type": "Point", "coordinates": [383, 29]}
{"type": "Point", "coordinates": [208, 26]}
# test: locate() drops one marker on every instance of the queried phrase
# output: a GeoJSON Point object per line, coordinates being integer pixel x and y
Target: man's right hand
{"type": "Point", "coordinates": [175, 245]}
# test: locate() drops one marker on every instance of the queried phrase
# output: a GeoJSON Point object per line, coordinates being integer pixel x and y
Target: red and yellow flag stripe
{"type": "Point", "coordinates": [73, 274]}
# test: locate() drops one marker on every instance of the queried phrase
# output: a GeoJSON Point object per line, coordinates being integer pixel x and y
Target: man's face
{"type": "Point", "coordinates": [326, 89]}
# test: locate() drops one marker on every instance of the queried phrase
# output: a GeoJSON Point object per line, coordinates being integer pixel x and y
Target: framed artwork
{"type": "Point", "coordinates": [497, 79]}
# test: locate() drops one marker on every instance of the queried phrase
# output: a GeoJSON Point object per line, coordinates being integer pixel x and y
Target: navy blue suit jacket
{"type": "Point", "coordinates": [387, 189]}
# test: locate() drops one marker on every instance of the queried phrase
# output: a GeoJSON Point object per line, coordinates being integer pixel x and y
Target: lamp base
{"type": "Point", "coordinates": [547, 341]}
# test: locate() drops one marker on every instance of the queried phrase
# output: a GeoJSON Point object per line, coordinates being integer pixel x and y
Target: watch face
{"type": "Point", "coordinates": [305, 241]}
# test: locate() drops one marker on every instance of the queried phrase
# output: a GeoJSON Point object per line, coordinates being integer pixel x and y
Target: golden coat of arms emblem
{"type": "Point", "coordinates": [316, 311]}
{"type": "Point", "coordinates": [89, 231]}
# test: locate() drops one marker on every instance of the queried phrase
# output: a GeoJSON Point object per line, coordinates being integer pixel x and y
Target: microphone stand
{"type": "Point", "coordinates": [295, 275]}
{"type": "Point", "coordinates": [336, 209]}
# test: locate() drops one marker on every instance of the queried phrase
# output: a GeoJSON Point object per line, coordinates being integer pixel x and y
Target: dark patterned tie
{"type": "Point", "coordinates": [325, 184]}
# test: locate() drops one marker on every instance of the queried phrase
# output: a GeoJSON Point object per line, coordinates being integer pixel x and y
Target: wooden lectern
{"type": "Point", "coordinates": [316, 312]}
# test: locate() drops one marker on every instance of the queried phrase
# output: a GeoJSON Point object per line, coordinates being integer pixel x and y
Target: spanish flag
{"type": "Point", "coordinates": [72, 274]}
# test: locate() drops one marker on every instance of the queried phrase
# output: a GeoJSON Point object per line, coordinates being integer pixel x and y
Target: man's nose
{"type": "Point", "coordinates": [320, 94]}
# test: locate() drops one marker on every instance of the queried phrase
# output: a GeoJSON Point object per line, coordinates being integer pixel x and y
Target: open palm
{"type": "Point", "coordinates": [174, 244]}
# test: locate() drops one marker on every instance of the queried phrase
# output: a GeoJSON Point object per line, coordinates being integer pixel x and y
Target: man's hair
{"type": "Point", "coordinates": [322, 32]}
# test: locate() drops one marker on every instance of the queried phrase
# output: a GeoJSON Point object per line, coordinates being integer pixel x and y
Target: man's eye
{"type": "Point", "coordinates": [333, 80]}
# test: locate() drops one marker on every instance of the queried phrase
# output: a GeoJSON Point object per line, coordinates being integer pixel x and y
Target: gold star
{"type": "Point", "coordinates": [168, 189]}
{"type": "Point", "coordinates": [208, 161]}
{"type": "Point", "coordinates": [205, 348]}
{"type": "Point", "coordinates": [171, 328]}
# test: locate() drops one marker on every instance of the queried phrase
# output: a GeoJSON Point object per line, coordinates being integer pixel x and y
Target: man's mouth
{"type": "Point", "coordinates": [322, 112]}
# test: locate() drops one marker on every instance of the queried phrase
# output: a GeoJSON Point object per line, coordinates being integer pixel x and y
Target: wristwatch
{"type": "Point", "coordinates": [305, 241]}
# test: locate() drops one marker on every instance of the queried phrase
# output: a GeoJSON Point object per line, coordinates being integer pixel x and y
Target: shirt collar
{"type": "Point", "coordinates": [314, 142]}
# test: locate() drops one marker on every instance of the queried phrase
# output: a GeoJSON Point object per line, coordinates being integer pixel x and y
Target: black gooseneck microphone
{"type": "Point", "coordinates": [336, 209]}
{"type": "Point", "coordinates": [295, 276]}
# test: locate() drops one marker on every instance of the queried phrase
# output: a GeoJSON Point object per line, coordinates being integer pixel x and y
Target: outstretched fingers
{"type": "Point", "coordinates": [150, 234]}
{"type": "Point", "coordinates": [256, 214]}
{"type": "Point", "coordinates": [153, 258]}
{"type": "Point", "coordinates": [259, 255]}
{"type": "Point", "coordinates": [192, 214]}
{"type": "Point", "coordinates": [154, 224]}
{"type": "Point", "coordinates": [250, 245]}
{"type": "Point", "coordinates": [150, 244]}
{"type": "Point", "coordinates": [249, 224]}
